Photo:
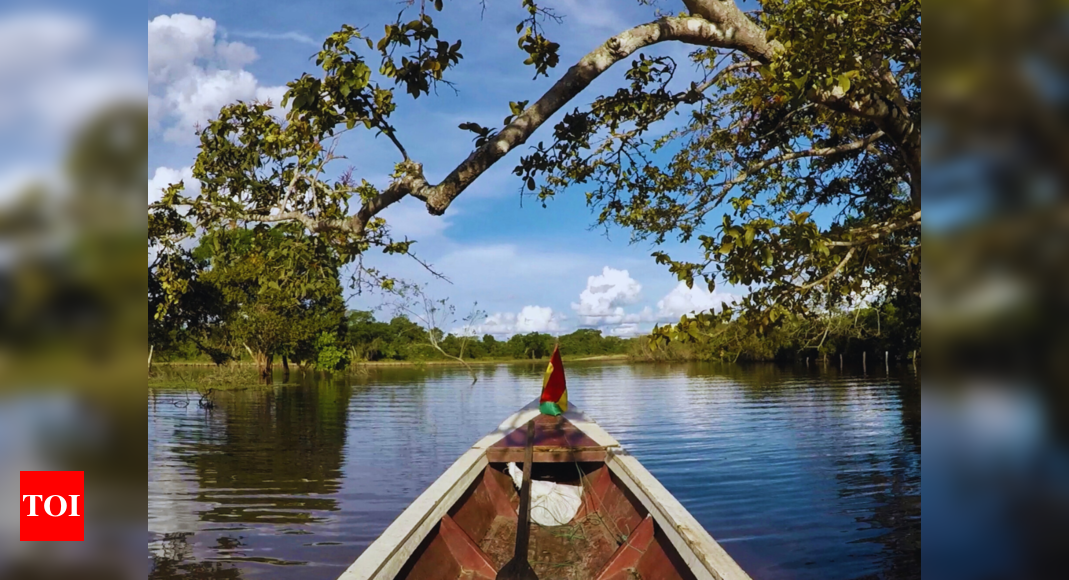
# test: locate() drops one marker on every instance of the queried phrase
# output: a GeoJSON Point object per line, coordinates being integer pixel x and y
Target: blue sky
{"type": "Point", "coordinates": [529, 268]}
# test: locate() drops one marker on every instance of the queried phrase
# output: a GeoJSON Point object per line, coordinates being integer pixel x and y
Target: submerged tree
{"type": "Point", "coordinates": [796, 168]}
{"type": "Point", "coordinates": [272, 302]}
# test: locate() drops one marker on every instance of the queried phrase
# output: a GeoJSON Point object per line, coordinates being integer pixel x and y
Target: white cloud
{"type": "Point", "coordinates": [682, 300]}
{"type": "Point", "coordinates": [505, 324]}
{"type": "Point", "coordinates": [506, 276]}
{"type": "Point", "coordinates": [537, 319]}
{"type": "Point", "coordinates": [175, 43]}
{"type": "Point", "coordinates": [192, 74]}
{"type": "Point", "coordinates": [161, 179]}
{"type": "Point", "coordinates": [236, 54]}
{"type": "Point", "coordinates": [165, 176]}
{"type": "Point", "coordinates": [155, 112]}
{"type": "Point", "coordinates": [627, 330]}
{"type": "Point", "coordinates": [601, 302]}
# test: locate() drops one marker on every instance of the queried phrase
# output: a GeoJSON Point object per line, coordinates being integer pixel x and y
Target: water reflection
{"type": "Point", "coordinates": [260, 467]}
{"type": "Point", "coordinates": [800, 473]}
{"type": "Point", "coordinates": [271, 455]}
{"type": "Point", "coordinates": [173, 558]}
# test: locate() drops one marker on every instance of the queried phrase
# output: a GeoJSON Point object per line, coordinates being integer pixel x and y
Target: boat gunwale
{"type": "Point", "coordinates": [385, 557]}
{"type": "Point", "coordinates": [705, 557]}
{"type": "Point", "coordinates": [389, 553]}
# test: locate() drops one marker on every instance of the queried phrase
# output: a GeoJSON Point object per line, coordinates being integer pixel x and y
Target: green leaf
{"type": "Point", "coordinates": [844, 82]}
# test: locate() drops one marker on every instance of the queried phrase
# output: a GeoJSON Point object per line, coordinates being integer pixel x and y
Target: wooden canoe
{"type": "Point", "coordinates": [628, 525]}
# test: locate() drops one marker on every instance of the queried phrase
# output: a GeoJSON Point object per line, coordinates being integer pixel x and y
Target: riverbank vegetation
{"type": "Point", "coordinates": [877, 331]}
{"type": "Point", "coordinates": [360, 337]}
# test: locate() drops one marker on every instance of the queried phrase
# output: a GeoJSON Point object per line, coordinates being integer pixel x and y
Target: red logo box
{"type": "Point", "coordinates": [51, 506]}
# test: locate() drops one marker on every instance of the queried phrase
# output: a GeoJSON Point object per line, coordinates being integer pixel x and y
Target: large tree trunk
{"type": "Point", "coordinates": [285, 368]}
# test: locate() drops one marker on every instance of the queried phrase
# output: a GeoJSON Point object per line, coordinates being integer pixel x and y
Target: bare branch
{"type": "Point", "coordinates": [431, 321]}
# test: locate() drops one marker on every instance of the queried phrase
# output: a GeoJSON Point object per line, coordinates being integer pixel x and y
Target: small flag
{"type": "Point", "coordinates": [554, 392]}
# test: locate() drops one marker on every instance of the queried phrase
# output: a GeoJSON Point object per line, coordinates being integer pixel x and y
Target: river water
{"type": "Point", "coordinates": [798, 473]}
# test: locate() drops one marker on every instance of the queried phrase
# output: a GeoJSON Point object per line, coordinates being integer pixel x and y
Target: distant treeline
{"type": "Point", "coordinates": [363, 338]}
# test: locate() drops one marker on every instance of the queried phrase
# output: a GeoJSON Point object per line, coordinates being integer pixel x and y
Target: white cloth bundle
{"type": "Point", "coordinates": [552, 504]}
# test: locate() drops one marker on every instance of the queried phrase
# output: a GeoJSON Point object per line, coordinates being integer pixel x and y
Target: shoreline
{"type": "Point", "coordinates": [409, 363]}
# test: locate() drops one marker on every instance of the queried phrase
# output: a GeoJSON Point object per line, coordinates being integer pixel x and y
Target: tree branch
{"type": "Point", "coordinates": [726, 186]}
{"type": "Point", "coordinates": [834, 271]}
{"type": "Point", "coordinates": [410, 179]}
{"type": "Point", "coordinates": [866, 234]}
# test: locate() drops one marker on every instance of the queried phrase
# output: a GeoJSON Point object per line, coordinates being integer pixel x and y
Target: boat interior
{"type": "Point", "coordinates": [611, 537]}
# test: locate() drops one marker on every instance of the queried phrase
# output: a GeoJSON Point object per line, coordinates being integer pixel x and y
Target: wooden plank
{"type": "Point", "coordinates": [699, 551]}
{"type": "Point", "coordinates": [627, 556]}
{"type": "Point", "coordinates": [530, 411]}
{"type": "Point", "coordinates": [595, 488]}
{"type": "Point", "coordinates": [549, 431]}
{"type": "Point", "coordinates": [389, 553]}
{"type": "Point", "coordinates": [475, 511]}
{"type": "Point", "coordinates": [546, 455]}
{"type": "Point", "coordinates": [499, 498]}
{"type": "Point", "coordinates": [516, 420]}
{"type": "Point", "coordinates": [619, 509]}
{"type": "Point", "coordinates": [435, 562]}
{"type": "Point", "coordinates": [466, 552]}
{"type": "Point", "coordinates": [655, 564]}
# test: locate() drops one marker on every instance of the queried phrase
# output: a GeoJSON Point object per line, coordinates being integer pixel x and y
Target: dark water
{"type": "Point", "coordinates": [798, 474]}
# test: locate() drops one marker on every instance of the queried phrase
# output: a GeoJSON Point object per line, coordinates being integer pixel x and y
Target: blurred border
{"type": "Point", "coordinates": [996, 279]}
{"type": "Point", "coordinates": [73, 88]}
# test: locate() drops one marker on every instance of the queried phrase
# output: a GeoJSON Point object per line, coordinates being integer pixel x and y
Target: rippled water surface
{"type": "Point", "coordinates": [799, 474]}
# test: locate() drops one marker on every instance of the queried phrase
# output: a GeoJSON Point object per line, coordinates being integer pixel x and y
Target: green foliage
{"type": "Point", "coordinates": [541, 52]}
{"type": "Point", "coordinates": [369, 339]}
{"type": "Point", "coordinates": [254, 289]}
{"type": "Point", "coordinates": [589, 341]}
{"type": "Point", "coordinates": [256, 169]}
{"type": "Point", "coordinates": [794, 172]}
{"type": "Point", "coordinates": [794, 338]}
{"type": "Point", "coordinates": [329, 355]}
{"type": "Point", "coordinates": [757, 159]}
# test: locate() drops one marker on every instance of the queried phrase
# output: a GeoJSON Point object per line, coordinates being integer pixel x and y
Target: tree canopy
{"type": "Point", "coordinates": [793, 166]}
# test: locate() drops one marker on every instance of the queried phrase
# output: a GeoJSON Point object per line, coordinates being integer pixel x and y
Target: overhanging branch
{"type": "Point", "coordinates": [410, 179]}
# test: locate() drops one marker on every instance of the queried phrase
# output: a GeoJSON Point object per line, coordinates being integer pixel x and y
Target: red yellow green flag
{"type": "Point", "coordinates": [554, 391]}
